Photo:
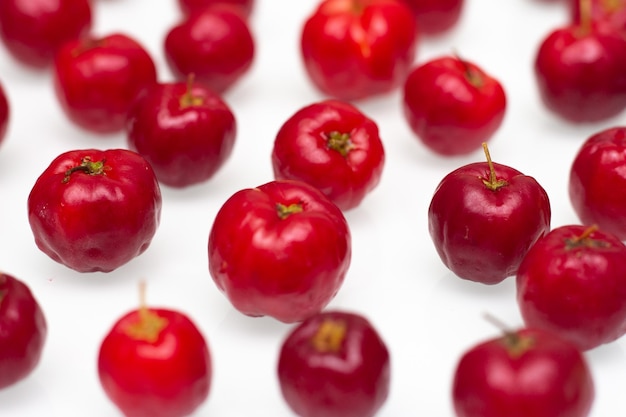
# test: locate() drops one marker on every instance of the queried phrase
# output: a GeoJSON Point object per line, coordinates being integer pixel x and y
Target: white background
{"type": "Point", "coordinates": [427, 316]}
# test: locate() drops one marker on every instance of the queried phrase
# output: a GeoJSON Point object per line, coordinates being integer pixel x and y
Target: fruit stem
{"type": "Point", "coordinates": [339, 142]}
{"type": "Point", "coordinates": [329, 336]}
{"type": "Point", "coordinates": [473, 76]}
{"type": "Point", "coordinates": [87, 166]}
{"type": "Point", "coordinates": [188, 99]}
{"type": "Point", "coordinates": [515, 344]}
{"type": "Point", "coordinates": [585, 7]}
{"type": "Point", "coordinates": [149, 325]}
{"type": "Point", "coordinates": [286, 211]}
{"type": "Point", "coordinates": [584, 239]}
{"type": "Point", "coordinates": [493, 183]}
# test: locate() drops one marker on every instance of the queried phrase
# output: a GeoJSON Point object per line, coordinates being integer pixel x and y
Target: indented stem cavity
{"type": "Point", "coordinates": [339, 142]}
{"type": "Point", "coordinates": [329, 336]}
{"type": "Point", "coordinates": [285, 211]}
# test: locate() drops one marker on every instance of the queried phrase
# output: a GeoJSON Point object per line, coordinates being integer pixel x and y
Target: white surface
{"type": "Point", "coordinates": [427, 316]}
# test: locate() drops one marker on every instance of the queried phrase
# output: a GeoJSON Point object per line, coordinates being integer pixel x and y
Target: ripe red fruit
{"type": "Point", "coordinates": [528, 372]}
{"type": "Point", "coordinates": [34, 30]}
{"type": "Point", "coordinates": [333, 146]}
{"type": "Point", "coordinates": [214, 44]}
{"type": "Point", "coordinates": [155, 362]}
{"type": "Point", "coordinates": [97, 80]}
{"type": "Point", "coordinates": [23, 331]}
{"type": "Point", "coordinates": [5, 113]}
{"type": "Point", "coordinates": [190, 6]}
{"type": "Point", "coordinates": [452, 105]}
{"type": "Point", "coordinates": [436, 16]}
{"type": "Point", "coordinates": [572, 283]}
{"type": "Point", "coordinates": [94, 210]}
{"type": "Point", "coordinates": [484, 217]}
{"type": "Point", "coordinates": [355, 49]}
{"type": "Point", "coordinates": [334, 364]}
{"type": "Point", "coordinates": [581, 72]}
{"type": "Point", "coordinates": [184, 130]}
{"type": "Point", "coordinates": [280, 250]}
{"type": "Point", "coordinates": [597, 181]}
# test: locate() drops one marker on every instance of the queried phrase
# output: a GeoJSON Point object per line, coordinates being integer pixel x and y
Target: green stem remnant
{"type": "Point", "coordinates": [284, 211]}
{"type": "Point", "coordinates": [329, 336]}
{"type": "Point", "coordinates": [585, 241]}
{"type": "Point", "coordinates": [339, 142]}
{"type": "Point", "coordinates": [493, 183]}
{"type": "Point", "coordinates": [149, 326]}
{"type": "Point", "coordinates": [87, 166]}
{"type": "Point", "coordinates": [188, 99]}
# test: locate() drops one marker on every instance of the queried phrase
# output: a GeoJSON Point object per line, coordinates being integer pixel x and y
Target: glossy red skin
{"type": "Point", "coordinates": [97, 80]}
{"type": "Point", "coordinates": [190, 6]}
{"type": "Point", "coordinates": [482, 235]}
{"type": "Point", "coordinates": [214, 44]}
{"type": "Point", "coordinates": [184, 144]}
{"type": "Point", "coordinates": [548, 378]}
{"type": "Point", "coordinates": [5, 113]}
{"type": "Point", "coordinates": [351, 382]}
{"type": "Point", "coordinates": [436, 16]}
{"type": "Point", "coordinates": [356, 49]}
{"type": "Point", "coordinates": [23, 331]}
{"type": "Point", "coordinates": [167, 377]}
{"type": "Point", "coordinates": [95, 222]}
{"type": "Point", "coordinates": [288, 269]}
{"type": "Point", "coordinates": [34, 30]}
{"type": "Point", "coordinates": [577, 293]}
{"type": "Point", "coordinates": [581, 74]}
{"type": "Point", "coordinates": [597, 181]}
{"type": "Point", "coordinates": [301, 152]}
{"type": "Point", "coordinates": [447, 110]}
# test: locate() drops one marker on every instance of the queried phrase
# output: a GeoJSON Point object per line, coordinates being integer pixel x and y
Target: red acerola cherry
{"type": "Point", "coordinates": [581, 72]}
{"type": "Point", "coordinates": [34, 30]}
{"type": "Point", "coordinates": [97, 80]}
{"type": "Point", "coordinates": [214, 44]}
{"type": "Point", "coordinates": [334, 364]}
{"type": "Point", "coordinates": [184, 130]}
{"type": "Point", "coordinates": [155, 362]}
{"type": "Point", "coordinates": [527, 372]}
{"type": "Point", "coordinates": [597, 181]}
{"type": "Point", "coordinates": [572, 283]}
{"type": "Point", "coordinates": [484, 217]}
{"type": "Point", "coordinates": [23, 331]}
{"type": "Point", "coordinates": [452, 105]}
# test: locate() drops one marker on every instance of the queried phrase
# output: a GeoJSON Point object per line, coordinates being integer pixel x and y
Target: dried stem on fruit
{"type": "Point", "coordinates": [585, 16]}
{"type": "Point", "coordinates": [493, 183]}
{"type": "Point", "coordinates": [515, 343]}
{"type": "Point", "coordinates": [585, 240]}
{"type": "Point", "coordinates": [87, 166]}
{"type": "Point", "coordinates": [149, 326]}
{"type": "Point", "coordinates": [188, 99]}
